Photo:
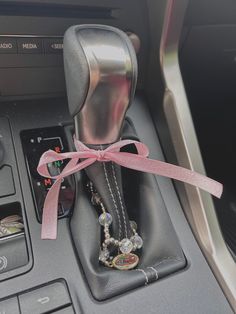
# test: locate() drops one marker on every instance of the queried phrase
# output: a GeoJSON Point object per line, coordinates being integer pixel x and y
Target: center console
{"type": "Point", "coordinates": [59, 276]}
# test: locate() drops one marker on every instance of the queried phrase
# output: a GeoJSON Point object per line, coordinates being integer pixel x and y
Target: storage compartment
{"type": "Point", "coordinates": [11, 221]}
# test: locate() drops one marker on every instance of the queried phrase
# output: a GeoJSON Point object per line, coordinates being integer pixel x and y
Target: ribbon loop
{"type": "Point", "coordinates": [100, 155]}
{"type": "Point", "coordinates": [112, 153]}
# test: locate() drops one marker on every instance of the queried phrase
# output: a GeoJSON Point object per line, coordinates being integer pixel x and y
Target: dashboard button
{"type": "Point", "coordinates": [29, 45]}
{"type": "Point", "coordinates": [53, 45]}
{"type": "Point", "coordinates": [9, 306]}
{"type": "Point", "coordinates": [8, 45]}
{"type": "Point", "coordinates": [44, 299]}
{"type": "Point", "coordinates": [13, 253]}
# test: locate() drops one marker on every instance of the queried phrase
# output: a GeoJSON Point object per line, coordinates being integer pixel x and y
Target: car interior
{"type": "Point", "coordinates": [102, 104]}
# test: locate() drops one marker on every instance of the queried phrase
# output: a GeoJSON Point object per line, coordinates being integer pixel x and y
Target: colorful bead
{"type": "Point", "coordinates": [105, 218]}
{"type": "Point", "coordinates": [126, 246]}
{"type": "Point", "coordinates": [137, 241]}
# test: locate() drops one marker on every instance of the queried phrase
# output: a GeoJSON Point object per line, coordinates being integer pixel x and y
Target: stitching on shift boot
{"type": "Point", "coordinates": [113, 199]}
{"type": "Point", "coordinates": [155, 271]}
{"type": "Point", "coordinates": [144, 273]}
{"type": "Point", "coordinates": [120, 199]}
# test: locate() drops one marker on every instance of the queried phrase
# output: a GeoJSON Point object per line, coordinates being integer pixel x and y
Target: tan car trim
{"type": "Point", "coordinates": [198, 205]}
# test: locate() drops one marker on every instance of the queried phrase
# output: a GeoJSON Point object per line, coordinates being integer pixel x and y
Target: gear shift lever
{"type": "Point", "coordinates": [101, 74]}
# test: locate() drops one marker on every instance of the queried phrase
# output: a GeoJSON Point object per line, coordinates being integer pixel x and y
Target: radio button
{"type": "Point", "coordinates": [8, 45]}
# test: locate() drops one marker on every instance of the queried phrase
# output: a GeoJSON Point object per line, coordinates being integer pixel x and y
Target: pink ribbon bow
{"type": "Point", "coordinates": [137, 161]}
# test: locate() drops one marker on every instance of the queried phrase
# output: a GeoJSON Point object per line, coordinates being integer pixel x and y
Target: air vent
{"type": "Point", "coordinates": [49, 10]}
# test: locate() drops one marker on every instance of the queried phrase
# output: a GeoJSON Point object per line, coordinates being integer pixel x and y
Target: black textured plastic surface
{"type": "Point", "coordinates": [7, 186]}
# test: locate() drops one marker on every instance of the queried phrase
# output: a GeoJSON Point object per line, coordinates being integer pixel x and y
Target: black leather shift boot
{"type": "Point", "coordinates": [106, 177]}
{"type": "Point", "coordinates": [161, 254]}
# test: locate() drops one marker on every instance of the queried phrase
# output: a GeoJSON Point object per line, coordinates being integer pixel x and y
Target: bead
{"type": "Point", "coordinates": [137, 241]}
{"type": "Point", "coordinates": [112, 240]}
{"type": "Point", "coordinates": [104, 255]}
{"type": "Point", "coordinates": [126, 246]}
{"type": "Point", "coordinates": [105, 218]}
{"type": "Point", "coordinates": [116, 242]}
{"type": "Point", "coordinates": [133, 225]}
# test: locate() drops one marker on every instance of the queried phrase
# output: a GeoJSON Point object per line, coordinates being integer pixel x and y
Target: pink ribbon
{"type": "Point", "coordinates": [137, 161]}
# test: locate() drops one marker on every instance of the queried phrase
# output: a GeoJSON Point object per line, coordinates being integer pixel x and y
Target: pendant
{"type": "Point", "coordinates": [125, 261]}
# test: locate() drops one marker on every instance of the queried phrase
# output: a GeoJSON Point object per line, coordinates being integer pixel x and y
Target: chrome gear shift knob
{"type": "Point", "coordinates": [101, 73]}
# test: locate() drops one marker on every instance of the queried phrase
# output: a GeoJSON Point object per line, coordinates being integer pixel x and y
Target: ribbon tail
{"type": "Point", "coordinates": [50, 212]}
{"type": "Point", "coordinates": [161, 168]}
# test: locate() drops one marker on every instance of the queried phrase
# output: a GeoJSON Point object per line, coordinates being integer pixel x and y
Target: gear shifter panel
{"type": "Point", "coordinates": [35, 142]}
